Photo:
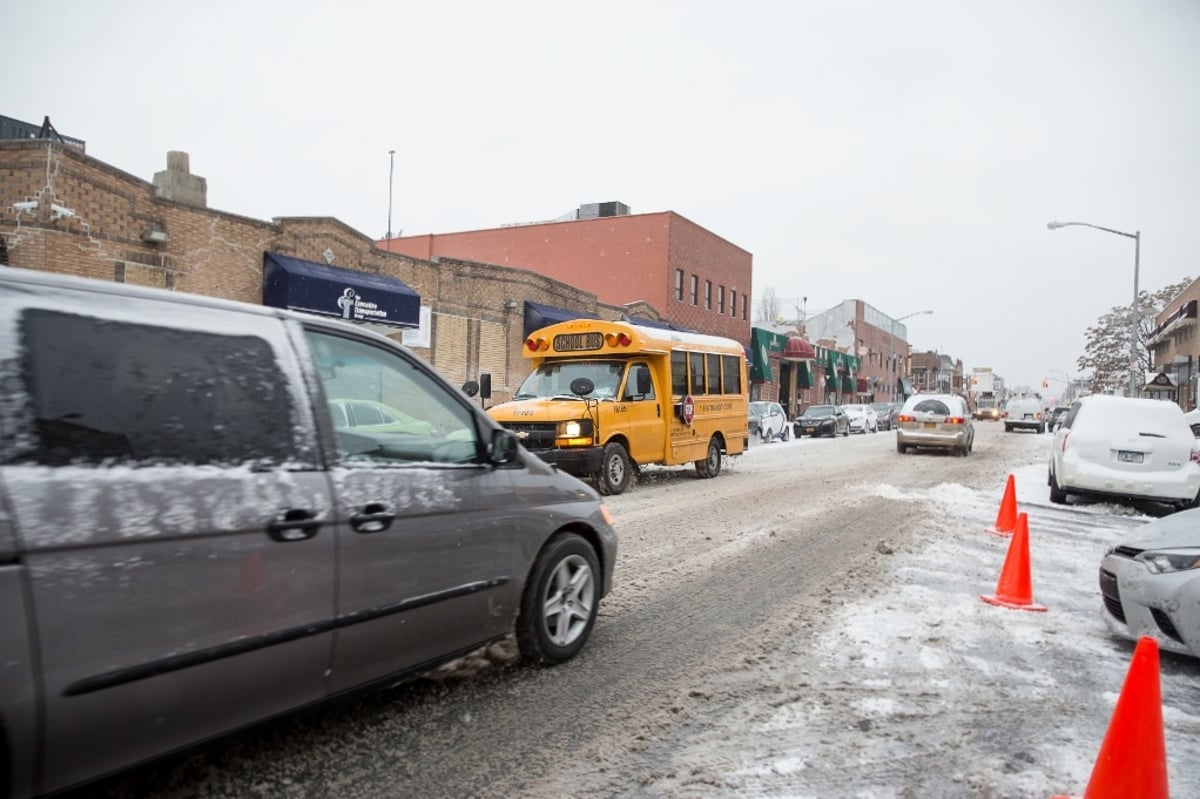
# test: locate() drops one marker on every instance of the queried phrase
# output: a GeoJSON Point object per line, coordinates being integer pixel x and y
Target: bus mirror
{"type": "Point", "coordinates": [582, 386]}
{"type": "Point", "coordinates": [485, 385]}
{"type": "Point", "coordinates": [470, 388]}
{"type": "Point", "coordinates": [643, 381]}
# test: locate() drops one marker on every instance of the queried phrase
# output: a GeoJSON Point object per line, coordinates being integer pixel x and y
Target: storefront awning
{"type": "Point", "coordinates": [1162, 382]}
{"type": "Point", "coordinates": [798, 349]}
{"type": "Point", "coordinates": [538, 316]}
{"type": "Point", "coordinates": [362, 297]}
{"type": "Point", "coordinates": [804, 378]}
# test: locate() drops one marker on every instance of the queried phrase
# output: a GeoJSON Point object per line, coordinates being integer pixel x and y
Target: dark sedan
{"type": "Point", "coordinates": [822, 420]}
{"type": "Point", "coordinates": [885, 412]}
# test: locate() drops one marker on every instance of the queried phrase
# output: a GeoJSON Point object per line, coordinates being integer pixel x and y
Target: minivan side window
{"type": "Point", "coordinates": [387, 409]}
{"type": "Point", "coordinates": [108, 392]}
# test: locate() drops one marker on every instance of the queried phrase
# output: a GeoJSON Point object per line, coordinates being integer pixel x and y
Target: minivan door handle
{"type": "Point", "coordinates": [294, 524]}
{"type": "Point", "coordinates": [375, 517]}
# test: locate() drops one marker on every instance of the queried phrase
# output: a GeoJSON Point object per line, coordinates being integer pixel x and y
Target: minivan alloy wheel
{"type": "Point", "coordinates": [560, 601]}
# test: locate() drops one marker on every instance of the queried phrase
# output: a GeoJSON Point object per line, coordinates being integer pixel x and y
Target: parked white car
{"type": "Point", "coordinates": [1151, 584]}
{"type": "Point", "coordinates": [767, 421]}
{"type": "Point", "coordinates": [863, 418]}
{"type": "Point", "coordinates": [1126, 449]}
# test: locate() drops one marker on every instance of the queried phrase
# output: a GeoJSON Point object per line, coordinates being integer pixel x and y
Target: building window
{"type": "Point", "coordinates": [695, 290]}
{"type": "Point", "coordinates": [720, 299]}
{"type": "Point", "coordinates": [679, 285]}
{"type": "Point", "coordinates": [733, 302]}
{"type": "Point", "coordinates": [745, 314]}
{"type": "Point", "coordinates": [708, 295]}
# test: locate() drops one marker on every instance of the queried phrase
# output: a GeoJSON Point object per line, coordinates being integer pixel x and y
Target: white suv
{"type": "Point", "coordinates": [1024, 413]}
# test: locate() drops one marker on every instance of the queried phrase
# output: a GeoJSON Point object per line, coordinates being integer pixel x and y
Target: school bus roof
{"type": "Point", "coordinates": [644, 339]}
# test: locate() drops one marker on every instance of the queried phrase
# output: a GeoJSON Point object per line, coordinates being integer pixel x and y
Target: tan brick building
{"type": "Point", "coordinates": [697, 279]}
{"type": "Point", "coordinates": [64, 211]}
{"type": "Point", "coordinates": [1175, 350]}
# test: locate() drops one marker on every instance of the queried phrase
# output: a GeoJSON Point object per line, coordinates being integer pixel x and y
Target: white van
{"type": "Point", "coordinates": [1024, 413]}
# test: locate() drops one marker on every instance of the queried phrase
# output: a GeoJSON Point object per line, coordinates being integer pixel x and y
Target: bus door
{"type": "Point", "coordinates": [641, 412]}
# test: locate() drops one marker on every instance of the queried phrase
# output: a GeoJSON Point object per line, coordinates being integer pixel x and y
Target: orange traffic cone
{"type": "Point", "coordinates": [1133, 757]}
{"type": "Point", "coordinates": [1006, 519]}
{"type": "Point", "coordinates": [1015, 587]}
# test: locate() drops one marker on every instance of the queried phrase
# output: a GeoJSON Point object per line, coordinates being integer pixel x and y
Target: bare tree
{"type": "Point", "coordinates": [768, 307]}
{"type": "Point", "coordinates": [1106, 348]}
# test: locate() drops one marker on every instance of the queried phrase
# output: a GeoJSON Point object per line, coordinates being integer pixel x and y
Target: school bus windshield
{"type": "Point", "coordinates": [553, 380]}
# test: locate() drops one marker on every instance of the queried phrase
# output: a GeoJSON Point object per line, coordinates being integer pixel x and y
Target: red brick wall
{"type": "Point", "coordinates": [621, 259]}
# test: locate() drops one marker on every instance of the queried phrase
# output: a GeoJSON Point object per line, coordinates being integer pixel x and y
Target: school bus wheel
{"type": "Point", "coordinates": [711, 466]}
{"type": "Point", "coordinates": [615, 470]}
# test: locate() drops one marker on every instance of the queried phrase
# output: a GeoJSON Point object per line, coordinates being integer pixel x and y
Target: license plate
{"type": "Point", "coordinates": [1129, 457]}
{"type": "Point", "coordinates": [809, 429]}
{"type": "Point", "coordinates": [930, 425]}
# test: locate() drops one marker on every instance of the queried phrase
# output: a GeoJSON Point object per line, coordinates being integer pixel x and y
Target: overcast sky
{"type": "Point", "coordinates": [905, 153]}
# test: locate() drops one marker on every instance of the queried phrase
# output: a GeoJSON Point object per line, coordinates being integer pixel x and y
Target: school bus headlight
{"type": "Point", "coordinates": [575, 433]}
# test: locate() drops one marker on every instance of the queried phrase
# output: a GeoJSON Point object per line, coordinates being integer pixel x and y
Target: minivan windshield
{"type": "Point", "coordinates": [553, 379]}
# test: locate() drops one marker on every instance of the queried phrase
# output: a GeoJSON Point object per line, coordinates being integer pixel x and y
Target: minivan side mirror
{"type": "Point", "coordinates": [503, 447]}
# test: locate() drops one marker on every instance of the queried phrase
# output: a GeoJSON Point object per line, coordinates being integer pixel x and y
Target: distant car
{"type": "Point", "coordinates": [1024, 413]}
{"type": "Point", "coordinates": [863, 418]}
{"type": "Point", "coordinates": [1193, 420]}
{"type": "Point", "coordinates": [1055, 415]}
{"type": "Point", "coordinates": [1125, 449]}
{"type": "Point", "coordinates": [822, 420]}
{"type": "Point", "coordinates": [885, 414]}
{"type": "Point", "coordinates": [936, 421]}
{"type": "Point", "coordinates": [988, 410]}
{"type": "Point", "coordinates": [1151, 584]}
{"type": "Point", "coordinates": [768, 421]}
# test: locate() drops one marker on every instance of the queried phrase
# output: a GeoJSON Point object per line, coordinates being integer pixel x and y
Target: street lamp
{"type": "Point", "coordinates": [1133, 329]}
{"type": "Point", "coordinates": [892, 349]}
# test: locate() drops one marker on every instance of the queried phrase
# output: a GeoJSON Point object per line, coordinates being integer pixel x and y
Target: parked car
{"type": "Point", "coordinates": [1151, 584]}
{"type": "Point", "coordinates": [822, 420]}
{"type": "Point", "coordinates": [862, 419]}
{"type": "Point", "coordinates": [935, 421]}
{"type": "Point", "coordinates": [1055, 415]}
{"type": "Point", "coordinates": [1125, 448]}
{"type": "Point", "coordinates": [1023, 413]}
{"type": "Point", "coordinates": [885, 414]}
{"type": "Point", "coordinates": [767, 421]}
{"type": "Point", "coordinates": [371, 416]}
{"type": "Point", "coordinates": [1193, 420]}
{"type": "Point", "coordinates": [189, 544]}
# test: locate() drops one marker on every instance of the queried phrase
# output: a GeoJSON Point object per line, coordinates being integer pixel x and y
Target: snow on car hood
{"type": "Point", "coordinates": [1178, 530]}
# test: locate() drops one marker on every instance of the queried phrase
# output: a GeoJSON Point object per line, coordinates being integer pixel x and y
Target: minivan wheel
{"type": "Point", "coordinates": [560, 602]}
{"type": "Point", "coordinates": [615, 470]}
{"type": "Point", "coordinates": [785, 433]}
{"type": "Point", "coordinates": [711, 466]}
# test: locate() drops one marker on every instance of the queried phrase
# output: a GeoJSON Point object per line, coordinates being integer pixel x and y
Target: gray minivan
{"type": "Point", "coordinates": [190, 541]}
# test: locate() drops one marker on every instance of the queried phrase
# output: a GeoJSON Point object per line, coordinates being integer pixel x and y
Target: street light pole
{"type": "Point", "coordinates": [391, 172]}
{"type": "Point", "coordinates": [1133, 328]}
{"type": "Point", "coordinates": [892, 349]}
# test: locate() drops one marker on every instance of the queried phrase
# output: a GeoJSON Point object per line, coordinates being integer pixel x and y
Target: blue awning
{"type": "Point", "coordinates": [538, 316]}
{"type": "Point", "coordinates": [336, 291]}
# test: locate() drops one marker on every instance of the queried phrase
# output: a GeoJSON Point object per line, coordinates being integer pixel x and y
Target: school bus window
{"type": "Point", "coordinates": [733, 374]}
{"type": "Point", "coordinates": [679, 381]}
{"type": "Point", "coordinates": [638, 385]}
{"type": "Point", "coordinates": [714, 374]}
{"type": "Point", "coordinates": [696, 366]}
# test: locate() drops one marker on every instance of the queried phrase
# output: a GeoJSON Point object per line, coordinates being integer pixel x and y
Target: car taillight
{"type": "Point", "coordinates": [1067, 435]}
{"type": "Point", "coordinates": [955, 420]}
{"type": "Point", "coordinates": [904, 417]}
{"type": "Point", "coordinates": [1196, 456]}
{"type": "Point", "coordinates": [1004, 415]}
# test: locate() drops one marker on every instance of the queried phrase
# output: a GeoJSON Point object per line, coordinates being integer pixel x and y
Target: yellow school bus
{"type": "Point", "coordinates": [606, 398]}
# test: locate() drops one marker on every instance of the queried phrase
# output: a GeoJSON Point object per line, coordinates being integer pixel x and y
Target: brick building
{"type": "Point", "coordinates": [1175, 350]}
{"type": "Point", "coordinates": [697, 279]}
{"type": "Point", "coordinates": [62, 210]}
